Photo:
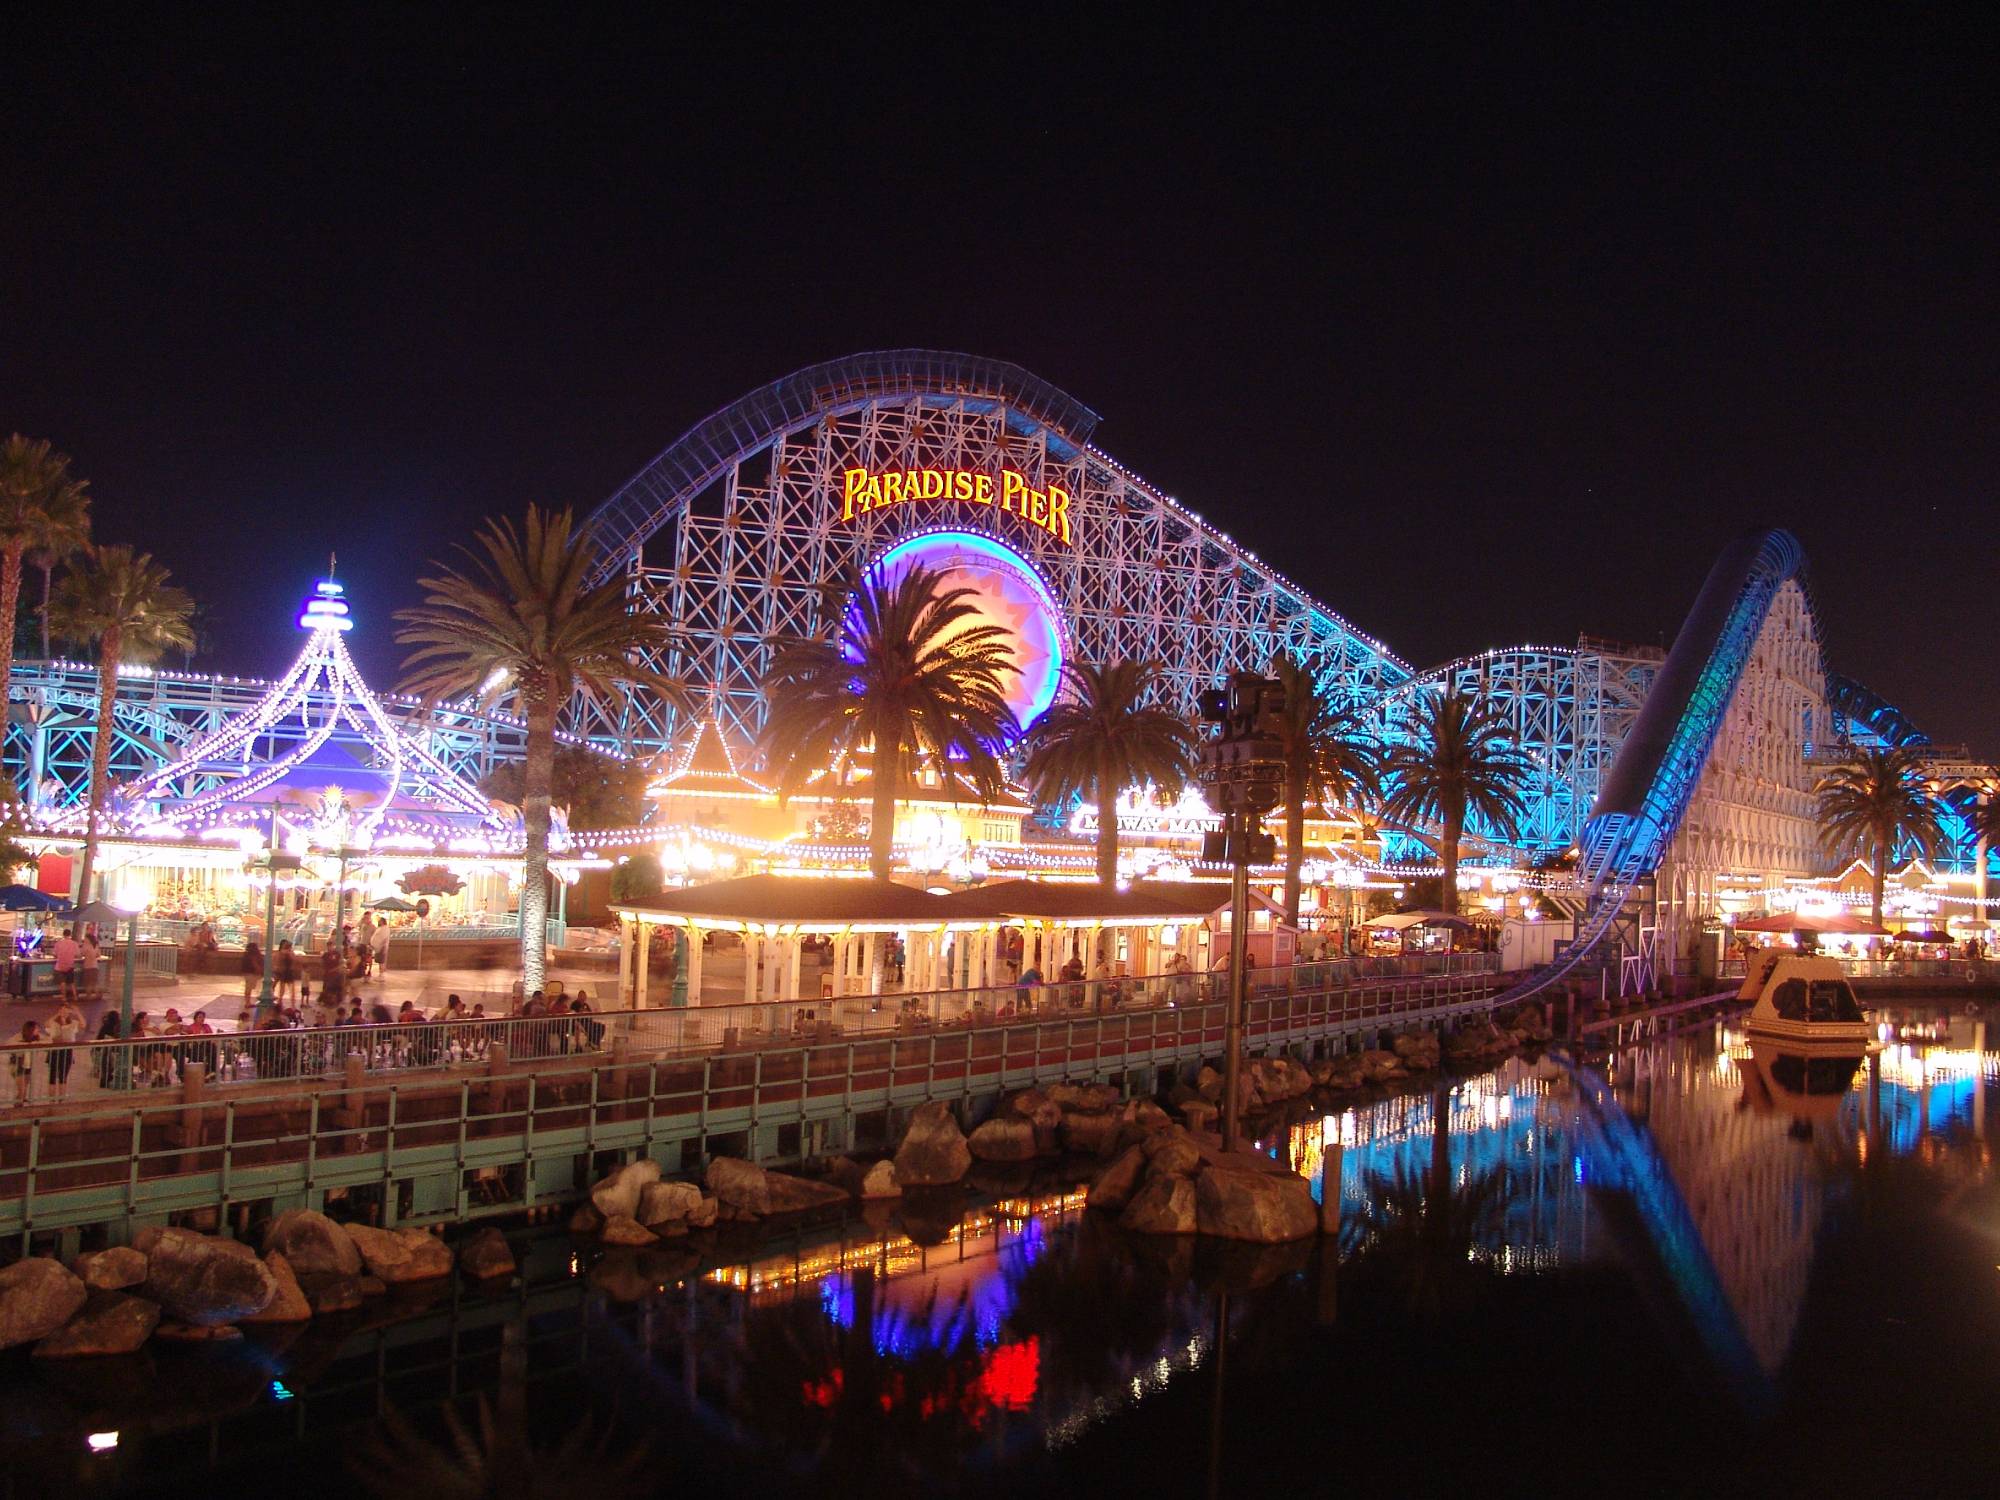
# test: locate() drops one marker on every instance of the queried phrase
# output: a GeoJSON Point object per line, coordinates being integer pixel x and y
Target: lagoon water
{"type": "Point", "coordinates": [1683, 1266]}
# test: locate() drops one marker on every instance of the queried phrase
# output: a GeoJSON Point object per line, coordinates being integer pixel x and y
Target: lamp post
{"type": "Point", "coordinates": [271, 863]}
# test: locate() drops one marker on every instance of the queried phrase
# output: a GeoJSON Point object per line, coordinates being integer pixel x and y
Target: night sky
{"type": "Point", "coordinates": [1485, 337]}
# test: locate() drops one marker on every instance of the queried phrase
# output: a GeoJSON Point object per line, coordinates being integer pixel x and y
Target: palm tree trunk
{"type": "Point", "coordinates": [882, 784]}
{"type": "Point", "coordinates": [1883, 850]}
{"type": "Point", "coordinates": [1454, 825]}
{"type": "Point", "coordinates": [10, 601]}
{"type": "Point", "coordinates": [537, 774]}
{"type": "Point", "coordinates": [109, 649]}
{"type": "Point", "coordinates": [1295, 844]}
{"type": "Point", "coordinates": [48, 567]}
{"type": "Point", "coordinates": [1107, 828]}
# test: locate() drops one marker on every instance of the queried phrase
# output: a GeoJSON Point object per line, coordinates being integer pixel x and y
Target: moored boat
{"type": "Point", "coordinates": [1803, 999]}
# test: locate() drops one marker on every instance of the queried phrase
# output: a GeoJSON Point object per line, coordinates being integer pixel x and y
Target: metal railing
{"type": "Point", "coordinates": [43, 1073]}
{"type": "Point", "coordinates": [1952, 970]}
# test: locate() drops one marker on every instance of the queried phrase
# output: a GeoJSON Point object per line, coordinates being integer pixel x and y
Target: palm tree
{"type": "Point", "coordinates": [1329, 759]}
{"type": "Point", "coordinates": [1874, 804]}
{"type": "Point", "coordinates": [120, 601]}
{"type": "Point", "coordinates": [43, 510]}
{"type": "Point", "coordinates": [1104, 736]}
{"type": "Point", "coordinates": [520, 619]}
{"type": "Point", "coordinates": [905, 678]}
{"type": "Point", "coordinates": [1458, 762]}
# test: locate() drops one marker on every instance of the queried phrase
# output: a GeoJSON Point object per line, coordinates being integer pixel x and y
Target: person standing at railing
{"type": "Point", "coordinates": [21, 1060]}
{"type": "Point", "coordinates": [107, 1057]}
{"type": "Point", "coordinates": [65, 1026]}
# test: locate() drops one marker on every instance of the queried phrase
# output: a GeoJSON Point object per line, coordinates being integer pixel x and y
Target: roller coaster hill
{"type": "Point", "coordinates": [1665, 788]}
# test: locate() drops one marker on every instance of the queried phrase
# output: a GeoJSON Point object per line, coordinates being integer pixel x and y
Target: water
{"type": "Point", "coordinates": [1686, 1266]}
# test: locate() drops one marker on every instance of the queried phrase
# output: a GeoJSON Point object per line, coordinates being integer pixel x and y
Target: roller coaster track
{"type": "Point", "coordinates": [1650, 784]}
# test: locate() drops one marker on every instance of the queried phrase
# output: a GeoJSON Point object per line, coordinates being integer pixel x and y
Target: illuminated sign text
{"type": "Point", "coordinates": [862, 491]}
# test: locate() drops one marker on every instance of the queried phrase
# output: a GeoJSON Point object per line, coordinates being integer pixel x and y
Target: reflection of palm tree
{"type": "Point", "coordinates": [1102, 1304]}
{"type": "Point", "coordinates": [499, 1459]}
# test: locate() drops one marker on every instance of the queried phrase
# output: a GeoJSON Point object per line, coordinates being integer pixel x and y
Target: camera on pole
{"type": "Point", "coordinates": [1243, 777]}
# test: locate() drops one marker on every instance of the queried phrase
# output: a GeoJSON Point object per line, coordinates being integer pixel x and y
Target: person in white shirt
{"type": "Point", "coordinates": [65, 1026]}
{"type": "Point", "coordinates": [379, 941]}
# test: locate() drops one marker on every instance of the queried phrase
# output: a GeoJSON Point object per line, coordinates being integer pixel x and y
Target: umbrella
{"type": "Point", "coordinates": [1798, 921]}
{"type": "Point", "coordinates": [104, 914]}
{"type": "Point", "coordinates": [391, 903]}
{"type": "Point", "coordinates": [1924, 935]}
{"type": "Point", "coordinates": [1402, 919]}
{"type": "Point", "coordinates": [27, 898]}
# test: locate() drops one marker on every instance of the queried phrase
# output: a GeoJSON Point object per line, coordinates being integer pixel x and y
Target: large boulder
{"type": "Point", "coordinates": [206, 1281]}
{"type": "Point", "coordinates": [1265, 1208]}
{"type": "Point", "coordinates": [1003, 1139]}
{"type": "Point", "coordinates": [37, 1296]}
{"type": "Point", "coordinates": [704, 1214]}
{"type": "Point", "coordinates": [1199, 1114]}
{"type": "Point", "coordinates": [334, 1293]}
{"type": "Point", "coordinates": [666, 1202]}
{"type": "Point", "coordinates": [619, 1193]}
{"type": "Point", "coordinates": [1171, 1153]}
{"type": "Point", "coordinates": [1208, 1083]}
{"type": "Point", "coordinates": [933, 1152]}
{"type": "Point", "coordinates": [1117, 1183]}
{"type": "Point", "coordinates": [396, 1256]}
{"type": "Point", "coordinates": [1379, 1066]}
{"type": "Point", "coordinates": [789, 1195]}
{"type": "Point", "coordinates": [110, 1323]}
{"type": "Point", "coordinates": [312, 1244]}
{"type": "Point", "coordinates": [623, 1229]}
{"type": "Point", "coordinates": [741, 1186]}
{"type": "Point", "coordinates": [485, 1255]}
{"type": "Point", "coordinates": [1037, 1108]}
{"type": "Point", "coordinates": [1163, 1205]}
{"type": "Point", "coordinates": [880, 1181]}
{"type": "Point", "coordinates": [1145, 1114]}
{"type": "Point", "coordinates": [1091, 1134]}
{"type": "Point", "coordinates": [290, 1305]}
{"type": "Point", "coordinates": [111, 1270]}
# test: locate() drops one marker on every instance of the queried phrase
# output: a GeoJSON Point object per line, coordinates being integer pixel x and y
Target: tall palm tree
{"type": "Point", "coordinates": [1330, 758]}
{"type": "Point", "coordinates": [518, 618]}
{"type": "Point", "coordinates": [903, 677]}
{"type": "Point", "coordinates": [119, 601]}
{"type": "Point", "coordinates": [1458, 762]}
{"type": "Point", "coordinates": [1874, 804]}
{"type": "Point", "coordinates": [44, 510]}
{"type": "Point", "coordinates": [1106, 734]}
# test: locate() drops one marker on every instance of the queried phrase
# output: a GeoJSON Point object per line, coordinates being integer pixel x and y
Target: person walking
{"type": "Point", "coordinates": [90, 964]}
{"type": "Point", "coordinates": [21, 1060]}
{"type": "Point", "coordinates": [253, 968]}
{"type": "Point", "coordinates": [66, 952]}
{"type": "Point", "coordinates": [332, 975]}
{"type": "Point", "coordinates": [65, 1027]}
{"type": "Point", "coordinates": [285, 969]}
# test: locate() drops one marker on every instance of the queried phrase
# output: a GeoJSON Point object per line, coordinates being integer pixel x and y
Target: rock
{"type": "Point", "coordinates": [741, 1185]}
{"type": "Point", "coordinates": [110, 1323]}
{"type": "Point", "coordinates": [290, 1304]}
{"type": "Point", "coordinates": [619, 1193]}
{"type": "Point", "coordinates": [1163, 1205]}
{"type": "Point", "coordinates": [1378, 1066]}
{"type": "Point", "coordinates": [333, 1294]}
{"type": "Point", "coordinates": [623, 1229]}
{"type": "Point", "coordinates": [197, 1333]}
{"type": "Point", "coordinates": [205, 1280]}
{"type": "Point", "coordinates": [37, 1296]}
{"type": "Point", "coordinates": [586, 1219]}
{"type": "Point", "coordinates": [880, 1181]}
{"type": "Point", "coordinates": [666, 1202]}
{"type": "Point", "coordinates": [1117, 1183]}
{"type": "Point", "coordinates": [933, 1152]}
{"type": "Point", "coordinates": [1065, 1096]}
{"type": "Point", "coordinates": [791, 1195]}
{"type": "Point", "coordinates": [846, 1173]}
{"type": "Point", "coordinates": [1265, 1208]}
{"type": "Point", "coordinates": [111, 1270]}
{"type": "Point", "coordinates": [372, 1286]}
{"type": "Point", "coordinates": [1146, 1114]}
{"type": "Point", "coordinates": [1208, 1083]}
{"type": "Point", "coordinates": [1278, 1078]}
{"type": "Point", "coordinates": [312, 1244]}
{"type": "Point", "coordinates": [1003, 1140]}
{"type": "Point", "coordinates": [1037, 1108]}
{"type": "Point", "coordinates": [1200, 1114]}
{"type": "Point", "coordinates": [395, 1256]}
{"type": "Point", "coordinates": [704, 1214]}
{"type": "Point", "coordinates": [1171, 1153]}
{"type": "Point", "coordinates": [1092, 1134]}
{"type": "Point", "coordinates": [486, 1255]}
{"type": "Point", "coordinates": [1098, 1096]}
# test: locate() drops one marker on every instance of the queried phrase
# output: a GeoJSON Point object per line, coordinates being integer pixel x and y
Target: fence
{"type": "Point", "coordinates": [1948, 970]}
{"type": "Point", "coordinates": [43, 1074]}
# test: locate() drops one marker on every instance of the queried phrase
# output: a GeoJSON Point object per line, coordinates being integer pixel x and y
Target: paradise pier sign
{"type": "Point", "coordinates": [1048, 508]}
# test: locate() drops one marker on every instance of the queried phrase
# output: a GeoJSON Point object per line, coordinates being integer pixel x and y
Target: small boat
{"type": "Point", "coordinates": [1803, 999]}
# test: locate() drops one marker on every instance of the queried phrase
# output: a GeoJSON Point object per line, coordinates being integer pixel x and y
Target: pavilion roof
{"type": "Point", "coordinates": [1087, 901]}
{"type": "Point", "coordinates": [811, 900]}
{"type": "Point", "coordinates": [709, 770]}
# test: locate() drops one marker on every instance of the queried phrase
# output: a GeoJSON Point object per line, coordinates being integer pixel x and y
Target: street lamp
{"type": "Point", "coordinates": [271, 862]}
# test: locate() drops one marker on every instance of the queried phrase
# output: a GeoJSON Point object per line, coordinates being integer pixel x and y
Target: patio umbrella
{"type": "Point", "coordinates": [27, 898]}
{"type": "Point", "coordinates": [1795, 921]}
{"type": "Point", "coordinates": [1398, 921]}
{"type": "Point", "coordinates": [392, 903]}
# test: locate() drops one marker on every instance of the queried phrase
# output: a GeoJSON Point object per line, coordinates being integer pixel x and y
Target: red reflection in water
{"type": "Point", "coordinates": [1007, 1379]}
{"type": "Point", "coordinates": [1012, 1372]}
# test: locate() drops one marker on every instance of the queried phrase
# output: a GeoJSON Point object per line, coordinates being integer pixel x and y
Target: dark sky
{"type": "Point", "coordinates": [1488, 336]}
